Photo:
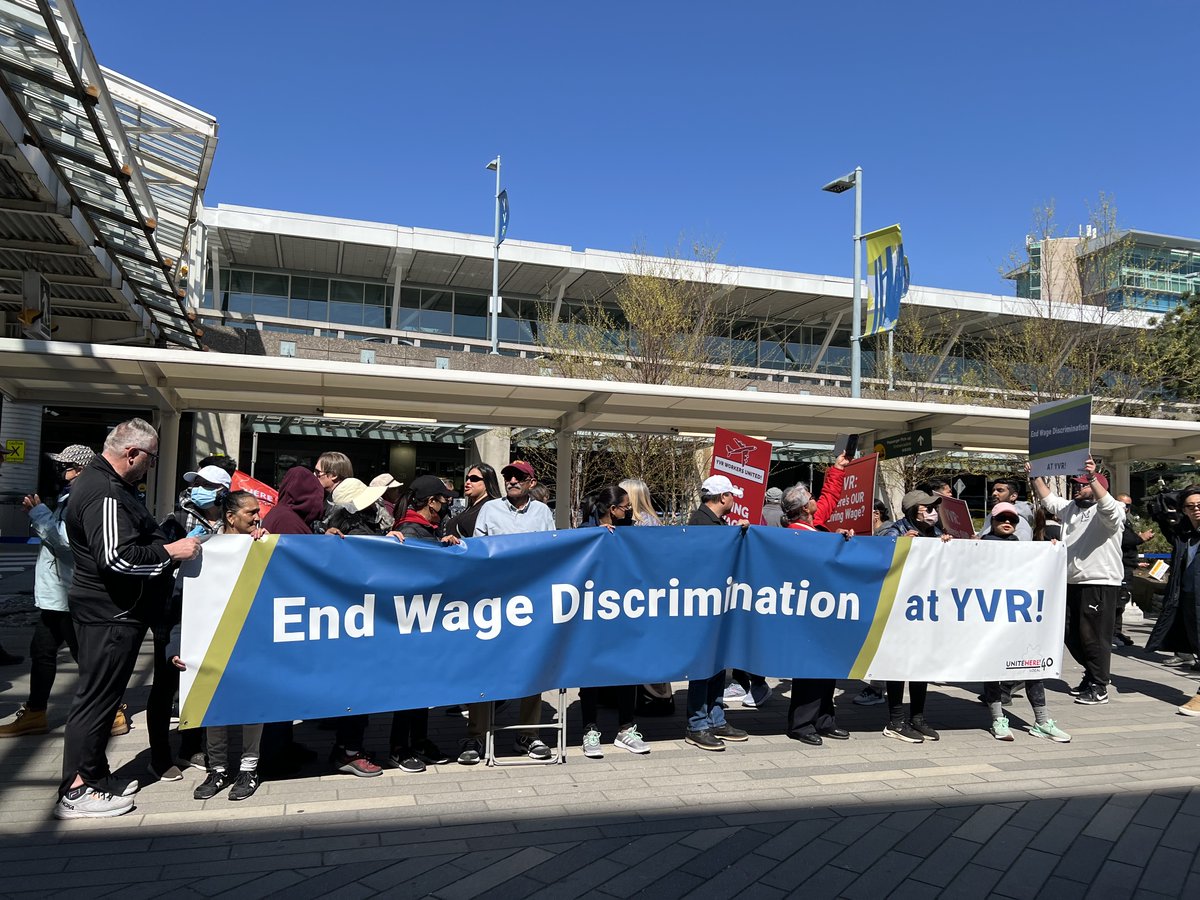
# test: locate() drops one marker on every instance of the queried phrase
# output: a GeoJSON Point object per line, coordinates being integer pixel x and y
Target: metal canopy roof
{"type": "Point", "coordinates": [272, 239]}
{"type": "Point", "coordinates": [62, 373]}
{"type": "Point", "coordinates": [102, 219]}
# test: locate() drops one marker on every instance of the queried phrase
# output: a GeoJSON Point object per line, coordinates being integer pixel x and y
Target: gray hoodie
{"type": "Point", "coordinates": [1093, 538]}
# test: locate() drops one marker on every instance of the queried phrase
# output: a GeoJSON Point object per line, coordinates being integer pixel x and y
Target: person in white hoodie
{"type": "Point", "coordinates": [1092, 524]}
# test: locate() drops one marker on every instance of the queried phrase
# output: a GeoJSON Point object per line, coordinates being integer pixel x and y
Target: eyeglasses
{"type": "Point", "coordinates": [515, 480]}
{"type": "Point", "coordinates": [474, 479]}
{"type": "Point", "coordinates": [152, 456]}
{"type": "Point", "coordinates": [321, 474]}
{"type": "Point", "coordinates": [1192, 506]}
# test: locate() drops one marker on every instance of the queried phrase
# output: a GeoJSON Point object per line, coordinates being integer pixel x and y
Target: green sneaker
{"type": "Point", "coordinates": [1050, 732]}
{"type": "Point", "coordinates": [1000, 729]}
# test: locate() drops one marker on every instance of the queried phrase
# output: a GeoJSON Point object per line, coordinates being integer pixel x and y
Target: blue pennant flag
{"type": "Point", "coordinates": [503, 217]}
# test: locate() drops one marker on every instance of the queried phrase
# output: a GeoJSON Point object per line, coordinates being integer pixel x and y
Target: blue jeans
{"type": "Point", "coordinates": [704, 709]}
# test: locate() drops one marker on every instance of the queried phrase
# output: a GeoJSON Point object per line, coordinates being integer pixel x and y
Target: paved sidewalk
{"type": "Point", "coordinates": [1115, 813]}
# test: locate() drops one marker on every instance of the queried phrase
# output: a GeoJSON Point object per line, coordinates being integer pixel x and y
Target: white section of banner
{"type": "Point", "coordinates": [983, 591]}
{"type": "Point", "coordinates": [206, 593]}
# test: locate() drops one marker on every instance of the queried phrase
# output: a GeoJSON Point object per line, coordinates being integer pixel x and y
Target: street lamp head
{"type": "Point", "coordinates": [494, 164]}
{"type": "Point", "coordinates": [841, 185]}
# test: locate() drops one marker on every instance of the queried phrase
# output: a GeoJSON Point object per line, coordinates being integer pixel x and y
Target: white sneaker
{"type": "Point", "coordinates": [759, 695]}
{"type": "Point", "coordinates": [734, 692]}
{"type": "Point", "coordinates": [631, 739]}
{"type": "Point", "coordinates": [92, 806]}
{"type": "Point", "coordinates": [591, 745]}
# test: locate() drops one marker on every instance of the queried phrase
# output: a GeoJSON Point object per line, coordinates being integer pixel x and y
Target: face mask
{"type": "Point", "coordinates": [930, 516]}
{"type": "Point", "coordinates": [203, 497]}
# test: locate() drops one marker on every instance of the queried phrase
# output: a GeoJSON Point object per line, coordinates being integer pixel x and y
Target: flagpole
{"type": "Point", "coordinates": [494, 302]}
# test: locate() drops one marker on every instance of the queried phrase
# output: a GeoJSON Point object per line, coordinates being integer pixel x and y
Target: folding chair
{"type": "Point", "coordinates": [557, 758]}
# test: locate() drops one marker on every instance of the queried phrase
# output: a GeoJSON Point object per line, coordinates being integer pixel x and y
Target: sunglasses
{"type": "Point", "coordinates": [152, 456]}
{"type": "Point", "coordinates": [474, 479]}
{"type": "Point", "coordinates": [515, 480]}
{"type": "Point", "coordinates": [1011, 520]}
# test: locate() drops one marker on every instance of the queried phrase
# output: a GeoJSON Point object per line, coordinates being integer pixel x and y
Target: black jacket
{"type": "Point", "coordinates": [705, 516]}
{"type": "Point", "coordinates": [123, 573]}
{"type": "Point", "coordinates": [463, 524]}
{"type": "Point", "coordinates": [1171, 630]}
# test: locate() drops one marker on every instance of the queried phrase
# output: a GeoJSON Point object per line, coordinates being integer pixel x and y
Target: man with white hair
{"type": "Point", "coordinates": [123, 569]}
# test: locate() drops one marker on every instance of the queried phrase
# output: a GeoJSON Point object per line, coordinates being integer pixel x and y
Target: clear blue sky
{"type": "Point", "coordinates": [623, 123]}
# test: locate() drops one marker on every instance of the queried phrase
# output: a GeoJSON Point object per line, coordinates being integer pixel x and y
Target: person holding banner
{"type": "Point", "coordinates": [919, 519]}
{"type": "Point", "coordinates": [123, 576]}
{"type": "Point", "coordinates": [1005, 519]}
{"type": "Point", "coordinates": [605, 509]}
{"type": "Point", "coordinates": [479, 486]}
{"type": "Point", "coordinates": [240, 514]}
{"type": "Point", "coordinates": [811, 714]}
{"type": "Point", "coordinates": [1176, 629]}
{"type": "Point", "coordinates": [706, 725]}
{"type": "Point", "coordinates": [1092, 524]}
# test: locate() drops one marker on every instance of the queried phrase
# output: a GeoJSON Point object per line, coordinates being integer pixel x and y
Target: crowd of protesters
{"type": "Point", "coordinates": [106, 576]}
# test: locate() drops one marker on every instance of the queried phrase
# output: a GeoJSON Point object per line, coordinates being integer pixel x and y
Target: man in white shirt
{"type": "Point", "coordinates": [514, 513]}
{"type": "Point", "coordinates": [1092, 524]}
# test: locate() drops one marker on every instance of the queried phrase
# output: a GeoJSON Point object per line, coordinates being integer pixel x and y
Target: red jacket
{"type": "Point", "coordinates": [831, 492]}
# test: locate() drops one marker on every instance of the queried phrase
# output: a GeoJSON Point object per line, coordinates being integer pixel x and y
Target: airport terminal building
{"type": "Point", "coordinates": [275, 335]}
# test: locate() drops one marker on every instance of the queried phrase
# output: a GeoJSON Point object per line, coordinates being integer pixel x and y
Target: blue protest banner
{"type": "Point", "coordinates": [300, 627]}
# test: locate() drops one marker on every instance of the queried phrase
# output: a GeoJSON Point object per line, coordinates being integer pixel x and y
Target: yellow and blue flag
{"type": "Point", "coordinates": [887, 279]}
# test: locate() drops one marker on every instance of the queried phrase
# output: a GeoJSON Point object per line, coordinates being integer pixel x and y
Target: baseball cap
{"type": "Point", "coordinates": [75, 455]}
{"type": "Point", "coordinates": [212, 474]}
{"type": "Point", "coordinates": [386, 481]}
{"type": "Point", "coordinates": [520, 467]}
{"type": "Point", "coordinates": [1005, 508]}
{"type": "Point", "coordinates": [429, 486]}
{"type": "Point", "coordinates": [352, 493]}
{"type": "Point", "coordinates": [715, 485]}
{"type": "Point", "coordinates": [774, 495]}
{"type": "Point", "coordinates": [1100, 480]}
{"type": "Point", "coordinates": [913, 499]}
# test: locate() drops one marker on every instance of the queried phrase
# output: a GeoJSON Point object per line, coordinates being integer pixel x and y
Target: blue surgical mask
{"type": "Point", "coordinates": [203, 496]}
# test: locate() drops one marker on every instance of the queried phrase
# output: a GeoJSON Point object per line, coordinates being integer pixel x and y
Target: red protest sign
{"type": "Point", "coordinates": [745, 461]}
{"type": "Point", "coordinates": [956, 518]}
{"type": "Point", "coordinates": [853, 510]}
{"type": "Point", "coordinates": [267, 495]}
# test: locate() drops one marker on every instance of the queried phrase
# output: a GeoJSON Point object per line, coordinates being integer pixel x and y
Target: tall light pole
{"type": "Point", "coordinates": [494, 302]}
{"type": "Point", "coordinates": [854, 180]}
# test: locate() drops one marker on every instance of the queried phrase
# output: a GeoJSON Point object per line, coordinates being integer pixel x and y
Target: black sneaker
{"type": "Point", "coordinates": [211, 786]}
{"type": "Point", "coordinates": [902, 731]}
{"type": "Point", "coordinates": [922, 728]}
{"type": "Point", "coordinates": [705, 740]}
{"type": "Point", "coordinates": [1079, 688]}
{"type": "Point", "coordinates": [1093, 696]}
{"type": "Point", "coordinates": [727, 732]}
{"type": "Point", "coordinates": [245, 785]}
{"type": "Point", "coordinates": [406, 761]}
{"type": "Point", "coordinates": [528, 745]}
{"type": "Point", "coordinates": [470, 752]}
{"type": "Point", "coordinates": [429, 753]}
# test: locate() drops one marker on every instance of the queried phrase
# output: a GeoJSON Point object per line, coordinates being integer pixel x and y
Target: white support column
{"type": "Point", "coordinates": [214, 256]}
{"type": "Point", "coordinates": [492, 447]}
{"type": "Point", "coordinates": [162, 501]}
{"type": "Point", "coordinates": [197, 250]}
{"type": "Point", "coordinates": [562, 487]}
{"type": "Point", "coordinates": [1119, 479]}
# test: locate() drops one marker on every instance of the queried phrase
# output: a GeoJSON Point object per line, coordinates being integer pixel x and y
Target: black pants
{"type": "Point", "coordinates": [107, 656]}
{"type": "Point", "coordinates": [811, 708]}
{"type": "Point", "coordinates": [53, 629]}
{"type": "Point", "coordinates": [589, 705]}
{"type": "Point", "coordinates": [747, 679]}
{"type": "Point", "coordinates": [158, 709]}
{"type": "Point", "coordinates": [1091, 609]}
{"type": "Point", "coordinates": [350, 731]}
{"type": "Point", "coordinates": [916, 699]}
{"type": "Point", "coordinates": [409, 727]}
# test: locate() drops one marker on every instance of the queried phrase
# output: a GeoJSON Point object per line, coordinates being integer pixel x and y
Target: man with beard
{"type": "Point", "coordinates": [1092, 524]}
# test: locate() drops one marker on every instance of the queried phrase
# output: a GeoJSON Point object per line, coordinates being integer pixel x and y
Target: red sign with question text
{"type": "Point", "coordinates": [853, 510]}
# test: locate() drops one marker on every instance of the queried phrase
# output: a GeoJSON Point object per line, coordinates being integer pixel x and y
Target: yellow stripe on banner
{"type": "Point", "coordinates": [883, 610]}
{"type": "Point", "coordinates": [229, 629]}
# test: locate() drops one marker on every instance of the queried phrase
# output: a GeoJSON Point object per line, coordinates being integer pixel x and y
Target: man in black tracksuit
{"type": "Point", "coordinates": [123, 577]}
